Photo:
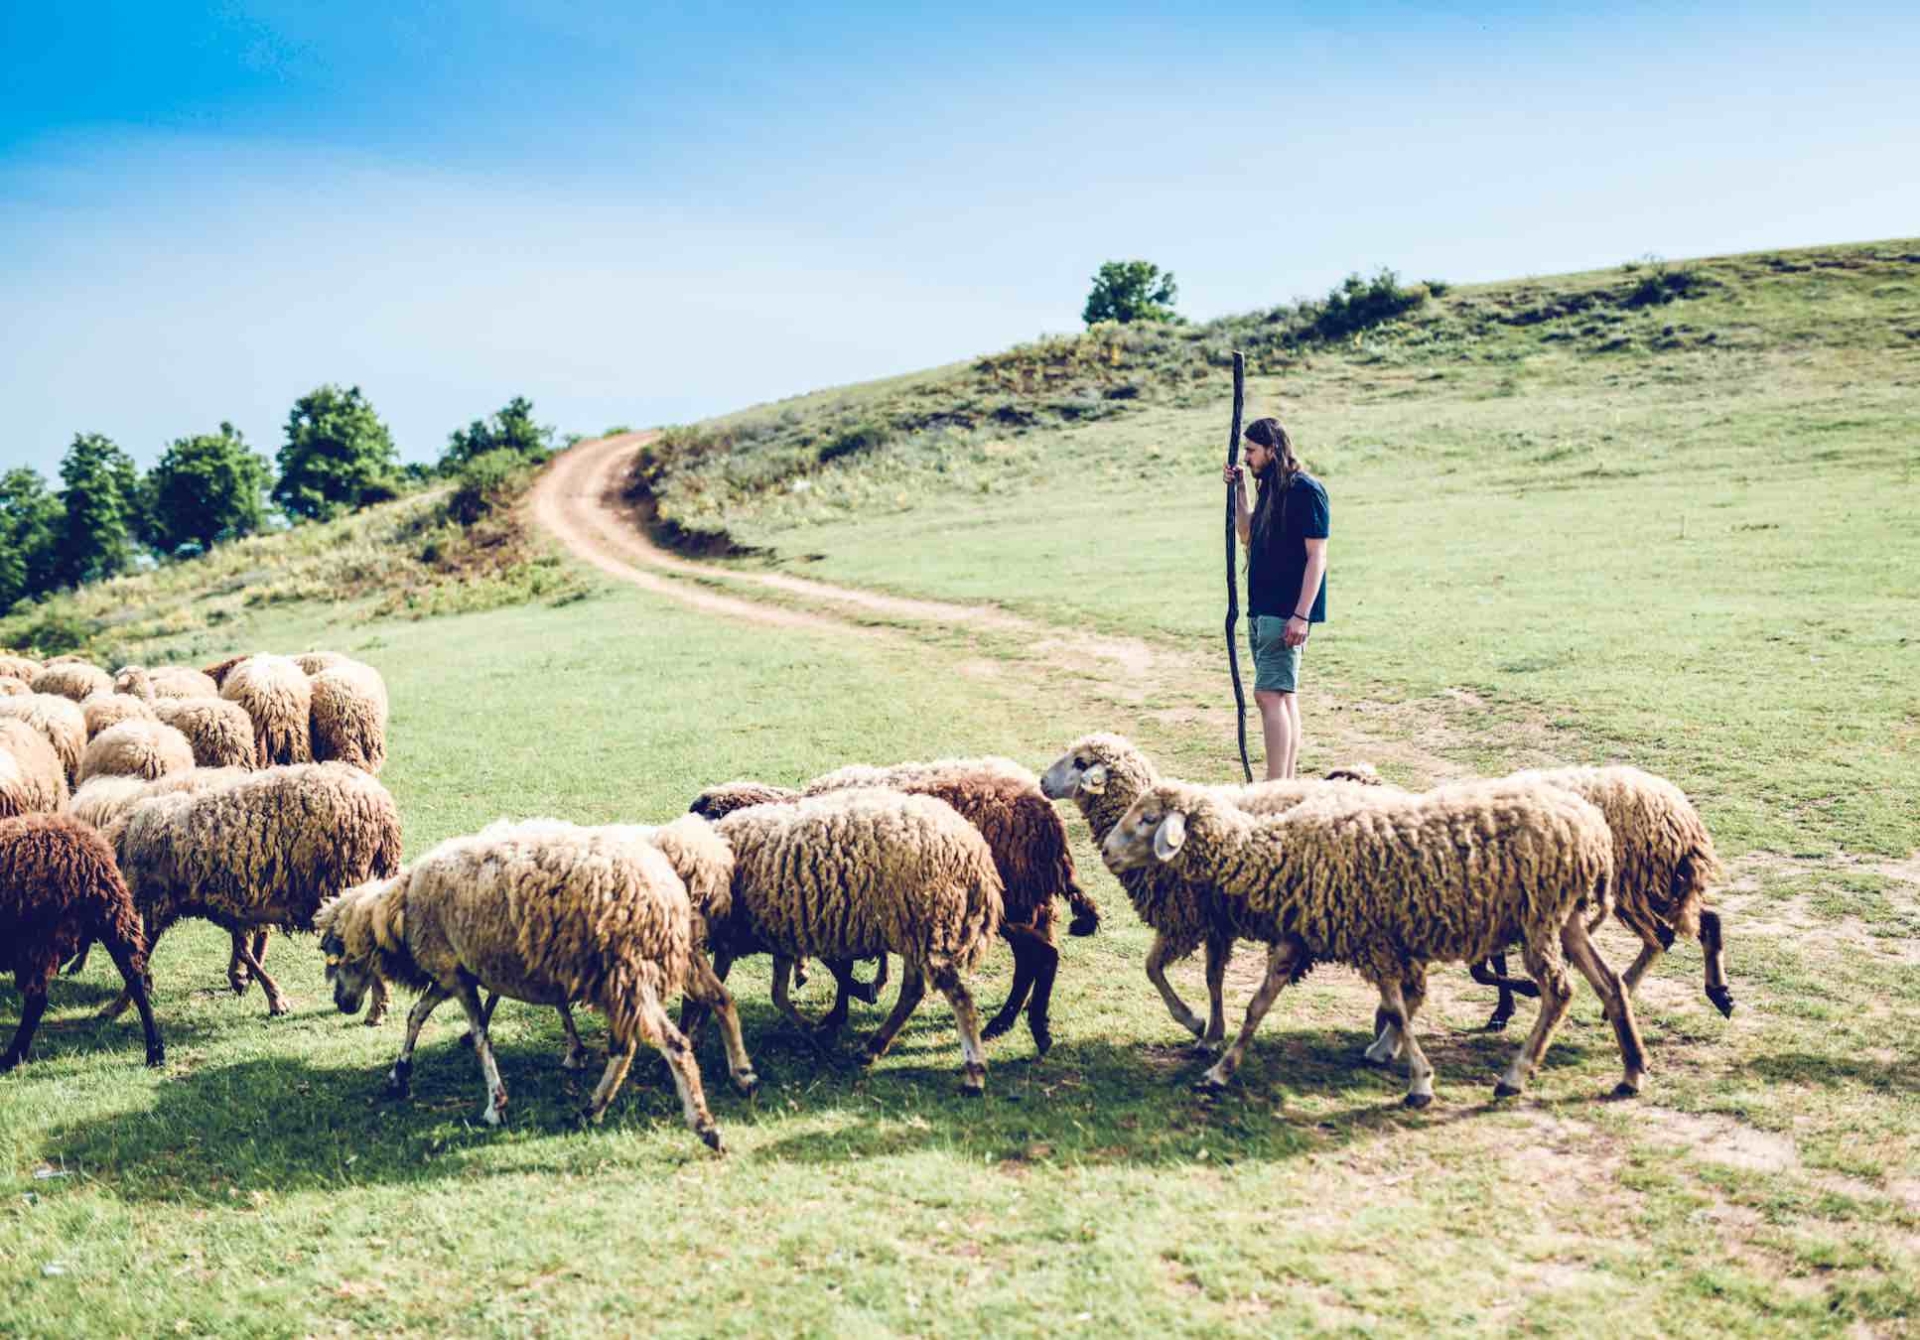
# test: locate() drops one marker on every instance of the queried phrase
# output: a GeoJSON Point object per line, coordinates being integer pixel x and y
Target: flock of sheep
{"type": "Point", "coordinates": [247, 795]}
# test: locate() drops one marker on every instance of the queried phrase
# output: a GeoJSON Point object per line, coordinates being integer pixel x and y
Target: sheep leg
{"type": "Point", "coordinates": [703, 986]}
{"type": "Point", "coordinates": [576, 1057]}
{"type": "Point", "coordinates": [1158, 957]}
{"type": "Point", "coordinates": [619, 1061]}
{"type": "Point", "coordinates": [782, 997]}
{"type": "Point", "coordinates": [1399, 1013]}
{"type": "Point", "coordinates": [1284, 962]}
{"type": "Point", "coordinates": [78, 964]}
{"type": "Point", "coordinates": [238, 977]}
{"type": "Point", "coordinates": [469, 997]}
{"type": "Point", "coordinates": [693, 1014]}
{"type": "Point", "coordinates": [1550, 975]}
{"type": "Point", "coordinates": [400, 1078]}
{"type": "Point", "coordinates": [973, 1072]}
{"type": "Point", "coordinates": [1039, 1020]}
{"type": "Point", "coordinates": [1219, 953]}
{"type": "Point", "coordinates": [913, 985]}
{"type": "Point", "coordinates": [118, 1005]}
{"type": "Point", "coordinates": [867, 993]}
{"type": "Point", "coordinates": [124, 959]}
{"type": "Point", "coordinates": [493, 1000]}
{"type": "Point", "coordinates": [276, 1001]}
{"type": "Point", "coordinates": [1714, 947]}
{"type": "Point", "coordinates": [657, 1030]}
{"type": "Point", "coordinates": [845, 988]}
{"type": "Point", "coordinates": [1504, 1007]}
{"type": "Point", "coordinates": [32, 1007]}
{"type": "Point", "coordinates": [378, 998]}
{"type": "Point", "coordinates": [1026, 962]}
{"type": "Point", "coordinates": [1615, 1001]}
{"type": "Point", "coordinates": [1650, 954]}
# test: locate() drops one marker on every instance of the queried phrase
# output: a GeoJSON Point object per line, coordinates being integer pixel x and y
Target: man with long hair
{"type": "Point", "coordinates": [1285, 532]}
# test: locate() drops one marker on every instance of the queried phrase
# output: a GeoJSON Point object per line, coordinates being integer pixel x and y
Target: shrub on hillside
{"type": "Point", "coordinates": [852, 441]}
{"type": "Point", "coordinates": [486, 483]}
{"type": "Point", "coordinates": [1359, 303]}
{"type": "Point", "coordinates": [1127, 291]}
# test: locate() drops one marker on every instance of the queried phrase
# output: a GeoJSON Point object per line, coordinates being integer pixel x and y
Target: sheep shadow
{"type": "Point", "coordinates": [1900, 1077]}
{"type": "Point", "coordinates": [73, 1030]}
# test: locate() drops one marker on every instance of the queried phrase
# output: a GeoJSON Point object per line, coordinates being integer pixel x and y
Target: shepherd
{"type": "Point", "coordinates": [1285, 533]}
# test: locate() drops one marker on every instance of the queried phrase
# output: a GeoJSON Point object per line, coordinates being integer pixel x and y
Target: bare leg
{"type": "Point", "coordinates": [913, 985]}
{"type": "Point", "coordinates": [1158, 959]}
{"type": "Point", "coordinates": [711, 992]}
{"type": "Point", "coordinates": [276, 1001]}
{"type": "Point", "coordinates": [469, 997]}
{"type": "Point", "coordinates": [1714, 947]}
{"type": "Point", "coordinates": [1219, 953]}
{"type": "Point", "coordinates": [1614, 1000]}
{"type": "Point", "coordinates": [1276, 727]}
{"type": "Point", "coordinates": [400, 1078]}
{"type": "Point", "coordinates": [33, 1005]}
{"type": "Point", "coordinates": [1550, 975]}
{"type": "Point", "coordinates": [973, 1073]}
{"type": "Point", "coordinates": [658, 1031]}
{"type": "Point", "coordinates": [1293, 734]}
{"type": "Point", "coordinates": [1023, 967]}
{"type": "Point", "coordinates": [1283, 962]}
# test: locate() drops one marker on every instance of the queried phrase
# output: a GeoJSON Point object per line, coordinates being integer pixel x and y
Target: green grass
{"type": "Point", "coordinates": [1543, 551]}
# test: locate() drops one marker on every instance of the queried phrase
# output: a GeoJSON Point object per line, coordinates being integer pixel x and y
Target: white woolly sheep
{"type": "Point", "coordinates": [22, 668]}
{"type": "Point", "coordinates": [547, 912]}
{"type": "Point", "coordinates": [60, 722]}
{"type": "Point", "coordinates": [1104, 774]}
{"type": "Point", "coordinates": [220, 732]}
{"type": "Point", "coordinates": [1392, 884]}
{"type": "Point", "coordinates": [278, 697]}
{"type": "Point", "coordinates": [76, 680]}
{"type": "Point", "coordinates": [103, 710]}
{"type": "Point", "coordinates": [136, 748]}
{"type": "Point", "coordinates": [858, 873]}
{"type": "Point", "coordinates": [314, 662]}
{"type": "Point", "coordinates": [58, 890]}
{"type": "Point", "coordinates": [14, 688]}
{"type": "Point", "coordinates": [266, 849]}
{"type": "Point", "coordinates": [165, 681]}
{"type": "Point", "coordinates": [349, 714]}
{"type": "Point", "coordinates": [31, 778]}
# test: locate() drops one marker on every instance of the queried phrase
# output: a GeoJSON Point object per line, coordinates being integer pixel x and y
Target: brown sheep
{"type": "Point", "coordinates": [313, 662]}
{"type": "Point", "coordinates": [60, 722]}
{"type": "Point", "coordinates": [77, 680]}
{"type": "Point", "coordinates": [14, 688]}
{"type": "Point", "coordinates": [219, 670]}
{"type": "Point", "coordinates": [220, 732]}
{"type": "Point", "coordinates": [136, 749]}
{"type": "Point", "coordinates": [279, 698]}
{"type": "Point", "coordinates": [265, 850]}
{"type": "Point", "coordinates": [31, 778]}
{"type": "Point", "coordinates": [22, 668]}
{"type": "Point", "coordinates": [178, 681]}
{"type": "Point", "coordinates": [349, 715]}
{"type": "Point", "coordinates": [59, 889]}
{"type": "Point", "coordinates": [103, 710]}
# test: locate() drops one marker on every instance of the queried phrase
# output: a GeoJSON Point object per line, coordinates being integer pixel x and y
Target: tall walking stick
{"type": "Point", "coordinates": [1233, 579]}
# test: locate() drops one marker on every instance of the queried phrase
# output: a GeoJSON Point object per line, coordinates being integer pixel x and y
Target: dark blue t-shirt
{"type": "Point", "coordinates": [1275, 570]}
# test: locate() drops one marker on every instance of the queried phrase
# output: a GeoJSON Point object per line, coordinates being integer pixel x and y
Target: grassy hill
{"type": "Point", "coordinates": [1694, 553]}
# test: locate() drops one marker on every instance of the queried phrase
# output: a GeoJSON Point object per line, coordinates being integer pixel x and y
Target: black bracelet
{"type": "Point", "coordinates": [1303, 618]}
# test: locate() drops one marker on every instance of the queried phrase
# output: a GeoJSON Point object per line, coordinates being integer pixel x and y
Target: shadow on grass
{"type": "Point", "coordinates": [1900, 1077]}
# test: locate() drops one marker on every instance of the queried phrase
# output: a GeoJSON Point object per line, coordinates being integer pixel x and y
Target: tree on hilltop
{"type": "Point", "coordinates": [511, 429]}
{"type": "Point", "coordinates": [207, 489]}
{"type": "Point", "coordinates": [1127, 291]}
{"type": "Point", "coordinates": [338, 456]}
{"type": "Point", "coordinates": [29, 533]}
{"type": "Point", "coordinates": [102, 511]}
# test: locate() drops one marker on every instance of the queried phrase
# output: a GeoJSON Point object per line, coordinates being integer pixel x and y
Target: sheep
{"type": "Point", "coordinates": [277, 696]}
{"type": "Point", "coordinates": [548, 912]}
{"type": "Point", "coordinates": [349, 714]}
{"type": "Point", "coordinates": [1363, 773]}
{"type": "Point", "coordinates": [31, 778]}
{"type": "Point", "coordinates": [14, 666]}
{"type": "Point", "coordinates": [219, 670]}
{"type": "Point", "coordinates": [220, 732]}
{"type": "Point", "coordinates": [266, 849]}
{"type": "Point", "coordinates": [14, 688]}
{"type": "Point", "coordinates": [1664, 861]}
{"type": "Point", "coordinates": [102, 710]}
{"type": "Point", "coordinates": [136, 749]}
{"type": "Point", "coordinates": [314, 662]}
{"type": "Point", "coordinates": [1390, 884]}
{"type": "Point", "coordinates": [165, 681]}
{"type": "Point", "coordinates": [1104, 774]}
{"type": "Point", "coordinates": [1030, 851]}
{"type": "Point", "coordinates": [72, 679]}
{"type": "Point", "coordinates": [59, 720]}
{"type": "Point", "coordinates": [858, 873]}
{"type": "Point", "coordinates": [58, 889]}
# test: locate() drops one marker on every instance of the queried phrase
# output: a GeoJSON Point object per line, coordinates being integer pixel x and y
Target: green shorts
{"type": "Point", "coordinates": [1276, 666]}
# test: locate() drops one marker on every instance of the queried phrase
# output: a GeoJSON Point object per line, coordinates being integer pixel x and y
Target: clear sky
{"type": "Point", "coordinates": [645, 216]}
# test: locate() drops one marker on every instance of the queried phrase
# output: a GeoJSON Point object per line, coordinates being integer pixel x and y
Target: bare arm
{"type": "Point", "coordinates": [1236, 475]}
{"type": "Point", "coordinates": [1309, 588]}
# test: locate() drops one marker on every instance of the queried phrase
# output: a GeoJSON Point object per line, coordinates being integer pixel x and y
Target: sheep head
{"type": "Point", "coordinates": [356, 928]}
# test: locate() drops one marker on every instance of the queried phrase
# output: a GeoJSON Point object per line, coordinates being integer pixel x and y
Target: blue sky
{"type": "Point", "coordinates": [646, 216]}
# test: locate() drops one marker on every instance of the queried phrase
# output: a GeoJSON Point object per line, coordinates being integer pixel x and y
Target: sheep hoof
{"type": "Point", "coordinates": [1505, 1090]}
{"type": "Point", "coordinates": [867, 993]}
{"type": "Point", "coordinates": [238, 985]}
{"type": "Point", "coordinates": [1084, 925]}
{"type": "Point", "coordinates": [1625, 1089]}
{"type": "Point", "coordinates": [1416, 1101]}
{"type": "Point", "coordinates": [747, 1083]}
{"type": "Point", "coordinates": [997, 1028]}
{"type": "Point", "coordinates": [400, 1079]}
{"type": "Point", "coordinates": [9, 1063]}
{"type": "Point", "coordinates": [574, 1061]}
{"type": "Point", "coordinates": [1499, 1022]}
{"type": "Point", "coordinates": [466, 1040]}
{"type": "Point", "coordinates": [711, 1136]}
{"type": "Point", "coordinates": [1209, 1083]}
{"type": "Point", "coordinates": [374, 1020]}
{"type": "Point", "coordinates": [1042, 1041]}
{"type": "Point", "coordinates": [869, 1058]}
{"type": "Point", "coordinates": [973, 1081]}
{"type": "Point", "coordinates": [156, 1056]}
{"type": "Point", "coordinates": [490, 1114]}
{"type": "Point", "coordinates": [1722, 999]}
{"type": "Point", "coordinates": [1204, 1050]}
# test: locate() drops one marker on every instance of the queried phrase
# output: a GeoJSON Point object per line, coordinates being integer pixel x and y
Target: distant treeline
{"type": "Point", "coordinates": [106, 517]}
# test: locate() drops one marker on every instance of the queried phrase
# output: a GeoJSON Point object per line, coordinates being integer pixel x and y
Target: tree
{"type": "Point", "coordinates": [1126, 291]}
{"type": "Point", "coordinates": [338, 456]}
{"type": "Point", "coordinates": [512, 429]}
{"type": "Point", "coordinates": [207, 489]}
{"type": "Point", "coordinates": [29, 532]}
{"type": "Point", "coordinates": [102, 512]}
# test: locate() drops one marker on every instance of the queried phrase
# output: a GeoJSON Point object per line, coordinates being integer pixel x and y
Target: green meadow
{"type": "Point", "coordinates": [1699, 555]}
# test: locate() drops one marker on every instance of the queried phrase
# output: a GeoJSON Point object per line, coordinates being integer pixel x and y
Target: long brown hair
{"type": "Point", "coordinates": [1276, 481]}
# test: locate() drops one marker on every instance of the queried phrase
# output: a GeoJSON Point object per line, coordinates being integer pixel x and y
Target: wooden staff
{"type": "Point", "coordinates": [1233, 579]}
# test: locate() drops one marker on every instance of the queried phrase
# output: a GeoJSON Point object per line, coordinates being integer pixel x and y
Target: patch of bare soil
{"type": "Point", "coordinates": [1722, 1140]}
